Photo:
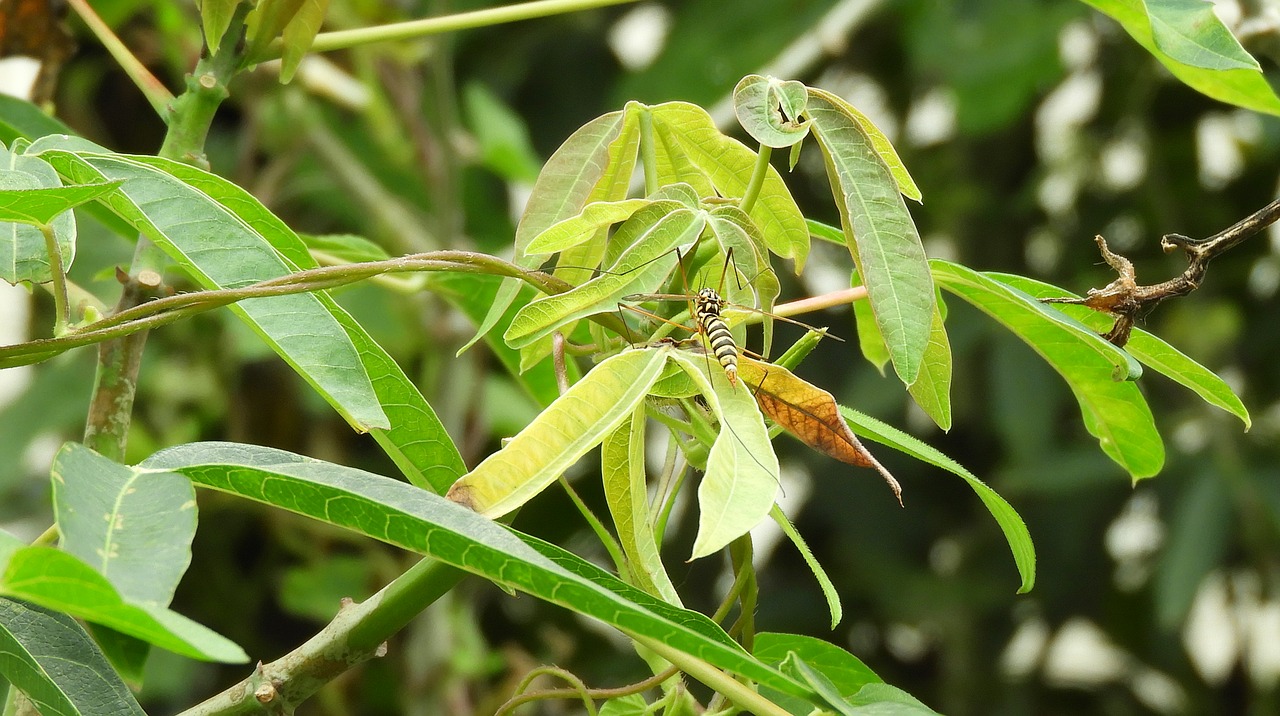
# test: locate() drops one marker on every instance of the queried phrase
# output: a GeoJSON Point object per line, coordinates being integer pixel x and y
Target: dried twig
{"type": "Point", "coordinates": [1126, 300]}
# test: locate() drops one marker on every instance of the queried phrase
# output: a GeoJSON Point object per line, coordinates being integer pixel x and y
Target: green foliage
{"type": "Point", "coordinates": [604, 278]}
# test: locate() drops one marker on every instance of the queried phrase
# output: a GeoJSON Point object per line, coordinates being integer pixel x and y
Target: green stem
{"type": "Point", "coordinates": [156, 93]}
{"type": "Point", "coordinates": [58, 280]}
{"type": "Point", "coordinates": [739, 693]}
{"type": "Point", "coordinates": [414, 29]}
{"type": "Point", "coordinates": [610, 544]}
{"type": "Point", "coordinates": [758, 175]}
{"type": "Point", "coordinates": [357, 634]}
{"type": "Point", "coordinates": [648, 152]}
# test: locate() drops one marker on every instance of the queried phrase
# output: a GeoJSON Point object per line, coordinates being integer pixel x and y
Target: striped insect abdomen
{"type": "Point", "coordinates": [707, 305]}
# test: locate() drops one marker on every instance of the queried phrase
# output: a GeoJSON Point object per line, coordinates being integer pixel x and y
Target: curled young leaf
{"type": "Point", "coordinates": [769, 109]}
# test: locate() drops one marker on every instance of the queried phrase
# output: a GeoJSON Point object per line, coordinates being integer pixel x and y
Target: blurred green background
{"type": "Point", "coordinates": [1029, 126]}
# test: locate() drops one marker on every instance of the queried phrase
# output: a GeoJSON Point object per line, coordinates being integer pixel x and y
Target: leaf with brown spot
{"type": "Point", "coordinates": [809, 413]}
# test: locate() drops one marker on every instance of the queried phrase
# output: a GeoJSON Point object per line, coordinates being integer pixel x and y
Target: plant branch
{"type": "Point", "coordinates": [415, 29]}
{"type": "Point", "coordinates": [139, 316]}
{"type": "Point", "coordinates": [58, 280]}
{"type": "Point", "coordinates": [1127, 301]}
{"type": "Point", "coordinates": [739, 693]}
{"type": "Point", "coordinates": [758, 174]}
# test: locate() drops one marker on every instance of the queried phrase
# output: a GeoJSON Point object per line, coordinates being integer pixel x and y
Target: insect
{"type": "Point", "coordinates": [707, 305]}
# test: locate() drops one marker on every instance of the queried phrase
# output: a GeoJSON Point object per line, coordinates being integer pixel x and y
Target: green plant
{"type": "Point", "coordinates": [704, 193]}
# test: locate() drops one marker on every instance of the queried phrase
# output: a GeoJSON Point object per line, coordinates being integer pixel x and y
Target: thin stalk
{"type": "Point", "coordinates": [58, 280]}
{"type": "Point", "coordinates": [579, 689]}
{"type": "Point", "coordinates": [610, 544]}
{"type": "Point", "coordinates": [415, 29]}
{"type": "Point", "coordinates": [758, 174]}
{"type": "Point", "coordinates": [739, 693]}
{"type": "Point", "coordinates": [156, 93]}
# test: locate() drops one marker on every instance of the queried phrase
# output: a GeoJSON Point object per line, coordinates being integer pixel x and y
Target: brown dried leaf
{"type": "Point", "coordinates": [809, 413]}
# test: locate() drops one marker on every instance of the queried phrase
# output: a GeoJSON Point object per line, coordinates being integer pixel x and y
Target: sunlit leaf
{"type": "Point", "coordinates": [343, 248]}
{"type": "Point", "coordinates": [652, 234]}
{"type": "Point", "coordinates": [1015, 530]}
{"type": "Point", "coordinates": [50, 658]}
{"type": "Point", "coordinates": [577, 229]}
{"type": "Point", "coordinates": [728, 163]}
{"type": "Point", "coordinates": [734, 230]}
{"type": "Point", "coordinates": [879, 232]}
{"type": "Point", "coordinates": [299, 34]}
{"type": "Point", "coordinates": [883, 147]}
{"type": "Point", "coordinates": [576, 422]}
{"type": "Point", "coordinates": [1149, 349]}
{"type": "Point", "coordinates": [1099, 374]}
{"type": "Point", "coordinates": [625, 489]}
{"type": "Point", "coordinates": [770, 109]}
{"type": "Point", "coordinates": [265, 23]}
{"type": "Point", "coordinates": [932, 389]}
{"type": "Point", "coordinates": [1190, 32]}
{"type": "Point", "coordinates": [809, 413]}
{"type": "Point", "coordinates": [742, 478]}
{"type": "Point", "coordinates": [870, 340]}
{"type": "Point", "coordinates": [410, 518]}
{"type": "Point", "coordinates": [1246, 88]}
{"type": "Point", "coordinates": [41, 205]}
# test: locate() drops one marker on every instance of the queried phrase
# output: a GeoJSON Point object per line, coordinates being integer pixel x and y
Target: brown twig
{"type": "Point", "coordinates": [1126, 300]}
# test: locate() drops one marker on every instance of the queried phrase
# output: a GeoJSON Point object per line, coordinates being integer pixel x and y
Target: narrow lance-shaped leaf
{"type": "Point", "coordinates": [1099, 374]}
{"type": "Point", "coordinates": [742, 479]}
{"type": "Point", "coordinates": [405, 516]}
{"type": "Point", "coordinates": [40, 205]}
{"type": "Point", "coordinates": [932, 389]}
{"type": "Point", "coordinates": [809, 413]}
{"type": "Point", "coordinates": [215, 18]}
{"type": "Point", "coordinates": [299, 34]}
{"type": "Point", "coordinates": [416, 440]}
{"type": "Point", "coordinates": [577, 229]}
{"type": "Point", "coordinates": [220, 251]}
{"type": "Point", "coordinates": [1148, 348]}
{"type": "Point", "coordinates": [1015, 530]}
{"type": "Point", "coordinates": [880, 234]}
{"type": "Point", "coordinates": [50, 658]}
{"type": "Point", "coordinates": [561, 434]}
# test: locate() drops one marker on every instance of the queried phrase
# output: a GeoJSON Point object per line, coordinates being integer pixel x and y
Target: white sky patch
{"type": "Point", "coordinates": [18, 76]}
{"type": "Point", "coordinates": [15, 313]}
{"type": "Point", "coordinates": [1043, 250]}
{"type": "Point", "coordinates": [932, 118]}
{"type": "Point", "coordinates": [1217, 150]}
{"type": "Point", "coordinates": [1263, 653]}
{"type": "Point", "coordinates": [1068, 107]}
{"type": "Point", "coordinates": [1160, 692]}
{"type": "Point", "coordinates": [1209, 635]}
{"type": "Point", "coordinates": [906, 642]}
{"type": "Point", "coordinates": [1026, 647]}
{"type": "Point", "coordinates": [1264, 278]}
{"type": "Point", "coordinates": [1082, 655]}
{"type": "Point", "coordinates": [637, 38]}
{"type": "Point", "coordinates": [1078, 45]}
{"type": "Point", "coordinates": [1123, 163]}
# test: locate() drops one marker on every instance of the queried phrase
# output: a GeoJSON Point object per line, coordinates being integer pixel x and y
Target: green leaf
{"type": "Point", "coordinates": [219, 250]}
{"type": "Point", "coordinates": [24, 255]}
{"type": "Point", "coordinates": [1246, 88]}
{"type": "Point", "coordinates": [870, 340]}
{"type": "Point", "coordinates": [564, 432]}
{"type": "Point", "coordinates": [60, 581]}
{"type": "Point", "coordinates": [734, 230]}
{"type": "Point", "coordinates": [41, 205]}
{"type": "Point", "coordinates": [742, 479]}
{"type": "Point", "coordinates": [20, 118]}
{"type": "Point", "coordinates": [133, 528]}
{"type": "Point", "coordinates": [569, 177]}
{"type": "Point", "coordinates": [412, 519]}
{"type": "Point", "coordinates": [1190, 32]}
{"type": "Point", "coordinates": [652, 235]}
{"type": "Point", "coordinates": [845, 670]}
{"type": "Point", "coordinates": [299, 34]}
{"type": "Point", "coordinates": [770, 109]}
{"type": "Point", "coordinates": [879, 142]}
{"type": "Point", "coordinates": [265, 23]}
{"type": "Point", "coordinates": [932, 389]}
{"type": "Point", "coordinates": [626, 491]}
{"type": "Point", "coordinates": [729, 164]}
{"type": "Point", "coordinates": [1099, 374]}
{"type": "Point", "coordinates": [51, 659]}
{"type": "Point", "coordinates": [1015, 530]}
{"type": "Point", "coordinates": [886, 700]}
{"type": "Point", "coordinates": [796, 667]}
{"type": "Point", "coordinates": [880, 233]}
{"type": "Point", "coordinates": [824, 582]}
{"type": "Point", "coordinates": [215, 18]}
{"type": "Point", "coordinates": [582, 227]}
{"type": "Point", "coordinates": [1149, 349]}
{"type": "Point", "coordinates": [629, 705]}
